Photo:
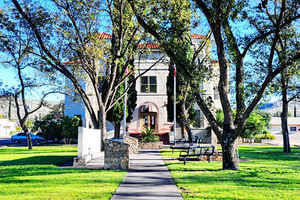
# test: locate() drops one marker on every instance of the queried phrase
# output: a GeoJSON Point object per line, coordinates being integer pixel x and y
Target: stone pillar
{"type": "Point", "coordinates": [116, 154]}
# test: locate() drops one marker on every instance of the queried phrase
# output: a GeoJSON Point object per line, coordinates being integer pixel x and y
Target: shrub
{"type": "Point", "coordinates": [49, 127]}
{"type": "Point", "coordinates": [149, 136]}
{"type": "Point", "coordinates": [266, 135]}
{"type": "Point", "coordinates": [256, 125]}
{"type": "Point", "coordinates": [70, 128]}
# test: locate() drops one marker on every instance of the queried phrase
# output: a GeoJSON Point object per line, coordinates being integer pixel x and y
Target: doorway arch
{"type": "Point", "coordinates": [148, 116]}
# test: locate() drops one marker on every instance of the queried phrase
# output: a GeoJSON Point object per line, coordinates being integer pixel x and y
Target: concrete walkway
{"type": "Point", "coordinates": [147, 179]}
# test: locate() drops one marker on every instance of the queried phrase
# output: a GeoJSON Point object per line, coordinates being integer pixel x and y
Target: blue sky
{"type": "Point", "coordinates": [8, 75]}
{"type": "Point", "coordinates": [8, 78]}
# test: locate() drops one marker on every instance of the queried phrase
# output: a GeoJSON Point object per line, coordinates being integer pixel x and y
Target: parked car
{"type": "Point", "coordinates": [22, 138]}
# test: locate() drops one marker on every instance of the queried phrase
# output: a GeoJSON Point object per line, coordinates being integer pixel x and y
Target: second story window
{"type": "Point", "coordinates": [148, 84]}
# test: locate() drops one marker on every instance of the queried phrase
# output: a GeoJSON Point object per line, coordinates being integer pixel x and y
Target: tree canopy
{"type": "Point", "coordinates": [263, 21]}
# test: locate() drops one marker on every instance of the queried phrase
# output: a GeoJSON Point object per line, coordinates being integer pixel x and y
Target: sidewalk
{"type": "Point", "coordinates": [147, 179]}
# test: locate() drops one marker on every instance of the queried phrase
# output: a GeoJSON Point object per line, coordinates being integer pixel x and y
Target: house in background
{"type": "Point", "coordinates": [275, 108]}
{"type": "Point", "coordinates": [8, 112]}
{"type": "Point", "coordinates": [151, 109]}
{"type": "Point", "coordinates": [293, 125]}
{"type": "Point", "coordinates": [8, 108]}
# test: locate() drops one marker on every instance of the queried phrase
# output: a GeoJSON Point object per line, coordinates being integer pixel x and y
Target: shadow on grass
{"type": "Point", "coordinates": [21, 150]}
{"type": "Point", "coordinates": [38, 160]}
{"type": "Point", "coordinates": [246, 179]}
{"type": "Point", "coordinates": [54, 176]}
{"type": "Point", "coordinates": [269, 168]}
{"type": "Point", "coordinates": [257, 153]}
{"type": "Point", "coordinates": [269, 153]}
{"type": "Point", "coordinates": [180, 167]}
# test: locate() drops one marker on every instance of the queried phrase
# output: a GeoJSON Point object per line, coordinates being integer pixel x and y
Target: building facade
{"type": "Point", "coordinates": [151, 87]}
{"type": "Point", "coordinates": [293, 125]}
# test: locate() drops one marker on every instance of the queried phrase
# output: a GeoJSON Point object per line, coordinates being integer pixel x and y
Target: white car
{"type": "Point", "coordinates": [22, 138]}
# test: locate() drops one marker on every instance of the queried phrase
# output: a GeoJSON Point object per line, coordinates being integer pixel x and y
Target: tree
{"type": "Point", "coordinates": [162, 21]}
{"type": "Point", "coordinates": [287, 84]}
{"type": "Point", "coordinates": [16, 46]}
{"type": "Point", "coordinates": [282, 14]}
{"type": "Point", "coordinates": [184, 101]}
{"type": "Point", "coordinates": [116, 114]}
{"type": "Point", "coordinates": [169, 23]}
{"type": "Point", "coordinates": [94, 58]}
{"type": "Point", "coordinates": [257, 123]}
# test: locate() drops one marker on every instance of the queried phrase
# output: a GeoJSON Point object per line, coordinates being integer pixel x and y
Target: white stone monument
{"type": "Point", "coordinates": [89, 146]}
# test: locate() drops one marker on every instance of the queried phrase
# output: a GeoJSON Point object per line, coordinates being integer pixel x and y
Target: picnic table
{"type": "Point", "coordinates": [194, 151]}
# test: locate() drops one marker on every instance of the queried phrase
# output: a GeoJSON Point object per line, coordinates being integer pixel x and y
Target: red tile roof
{"type": "Point", "coordinates": [105, 36]}
{"type": "Point", "coordinates": [147, 45]}
{"type": "Point", "coordinates": [214, 61]}
{"type": "Point", "coordinates": [72, 62]}
{"type": "Point", "coordinates": [198, 36]}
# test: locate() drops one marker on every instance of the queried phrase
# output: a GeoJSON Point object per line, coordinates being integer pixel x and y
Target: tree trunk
{"type": "Point", "coordinates": [229, 150]}
{"type": "Point", "coordinates": [102, 125]}
{"type": "Point", "coordinates": [284, 116]}
{"type": "Point", "coordinates": [185, 124]}
{"type": "Point", "coordinates": [9, 108]}
{"type": "Point", "coordinates": [185, 127]}
{"type": "Point", "coordinates": [285, 134]}
{"type": "Point", "coordinates": [284, 129]}
{"type": "Point", "coordinates": [28, 136]}
{"type": "Point", "coordinates": [117, 130]}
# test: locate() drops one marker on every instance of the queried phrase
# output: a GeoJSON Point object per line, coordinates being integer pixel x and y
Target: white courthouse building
{"type": "Point", "coordinates": [152, 99]}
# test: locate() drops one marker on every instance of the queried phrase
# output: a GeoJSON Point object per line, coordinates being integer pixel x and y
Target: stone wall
{"type": "Point", "coordinates": [116, 154]}
{"type": "Point", "coordinates": [133, 144]}
{"type": "Point", "coordinates": [151, 145]}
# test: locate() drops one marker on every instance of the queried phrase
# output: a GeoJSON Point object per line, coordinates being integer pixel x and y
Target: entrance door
{"type": "Point", "coordinates": [148, 120]}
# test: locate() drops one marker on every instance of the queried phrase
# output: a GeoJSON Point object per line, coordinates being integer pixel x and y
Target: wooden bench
{"type": "Point", "coordinates": [185, 145]}
{"type": "Point", "coordinates": [196, 152]}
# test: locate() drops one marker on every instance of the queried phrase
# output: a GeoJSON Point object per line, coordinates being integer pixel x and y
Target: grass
{"type": "Point", "coordinates": [36, 174]}
{"type": "Point", "coordinates": [268, 174]}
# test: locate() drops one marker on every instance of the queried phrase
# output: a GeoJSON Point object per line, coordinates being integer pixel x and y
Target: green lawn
{"type": "Point", "coordinates": [36, 174]}
{"type": "Point", "coordinates": [268, 174]}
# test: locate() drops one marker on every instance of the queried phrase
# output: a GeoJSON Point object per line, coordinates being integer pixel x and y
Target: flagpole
{"type": "Point", "coordinates": [174, 104]}
{"type": "Point", "coordinates": [125, 104]}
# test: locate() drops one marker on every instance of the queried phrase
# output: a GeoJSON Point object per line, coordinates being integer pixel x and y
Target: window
{"type": "Point", "coordinates": [293, 128]}
{"type": "Point", "coordinates": [148, 84]}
